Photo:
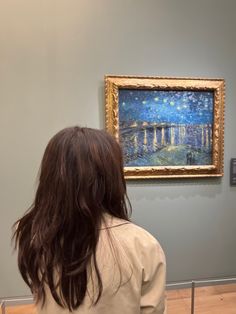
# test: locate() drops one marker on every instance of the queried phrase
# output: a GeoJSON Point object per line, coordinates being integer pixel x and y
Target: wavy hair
{"type": "Point", "coordinates": [81, 178]}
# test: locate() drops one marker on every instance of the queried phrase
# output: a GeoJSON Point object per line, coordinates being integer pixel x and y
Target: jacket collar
{"type": "Point", "coordinates": [109, 221]}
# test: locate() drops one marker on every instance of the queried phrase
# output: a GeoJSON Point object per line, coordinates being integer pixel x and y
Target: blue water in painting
{"type": "Point", "coordinates": [161, 128]}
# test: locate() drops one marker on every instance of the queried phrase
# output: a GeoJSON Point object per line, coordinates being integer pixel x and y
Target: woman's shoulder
{"type": "Point", "coordinates": [130, 233]}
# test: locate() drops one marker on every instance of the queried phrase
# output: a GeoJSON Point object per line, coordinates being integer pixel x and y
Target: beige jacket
{"type": "Point", "coordinates": [129, 257]}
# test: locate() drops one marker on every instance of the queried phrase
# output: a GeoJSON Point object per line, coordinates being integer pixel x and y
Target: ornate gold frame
{"type": "Point", "coordinates": [112, 85]}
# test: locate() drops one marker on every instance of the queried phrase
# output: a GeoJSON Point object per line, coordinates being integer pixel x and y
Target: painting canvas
{"type": "Point", "coordinates": [167, 127]}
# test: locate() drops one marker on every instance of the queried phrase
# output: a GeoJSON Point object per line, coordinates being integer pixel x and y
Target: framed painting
{"type": "Point", "coordinates": [167, 127]}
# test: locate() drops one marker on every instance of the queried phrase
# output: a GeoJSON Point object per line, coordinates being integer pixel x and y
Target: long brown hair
{"type": "Point", "coordinates": [81, 178]}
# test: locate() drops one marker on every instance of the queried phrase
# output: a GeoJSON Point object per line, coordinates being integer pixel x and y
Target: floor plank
{"type": "Point", "coordinates": [208, 300]}
{"type": "Point", "coordinates": [21, 309]}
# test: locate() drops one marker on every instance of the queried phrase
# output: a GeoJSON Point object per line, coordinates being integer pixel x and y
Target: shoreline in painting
{"type": "Point", "coordinates": [165, 144]}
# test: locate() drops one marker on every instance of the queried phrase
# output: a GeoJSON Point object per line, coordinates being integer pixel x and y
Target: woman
{"type": "Point", "coordinates": [77, 249]}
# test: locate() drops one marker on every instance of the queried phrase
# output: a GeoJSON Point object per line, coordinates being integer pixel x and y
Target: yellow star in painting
{"type": "Point", "coordinates": [172, 103]}
{"type": "Point", "coordinates": [144, 102]}
{"type": "Point", "coordinates": [156, 98]}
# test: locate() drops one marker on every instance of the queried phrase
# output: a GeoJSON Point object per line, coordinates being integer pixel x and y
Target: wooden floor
{"type": "Point", "coordinates": [208, 300]}
{"type": "Point", "coordinates": [22, 309]}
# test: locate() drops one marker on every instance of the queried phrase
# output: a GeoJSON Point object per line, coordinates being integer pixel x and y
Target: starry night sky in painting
{"type": "Point", "coordinates": [181, 107]}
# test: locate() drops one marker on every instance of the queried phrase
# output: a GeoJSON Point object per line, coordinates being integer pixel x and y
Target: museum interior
{"type": "Point", "coordinates": [54, 57]}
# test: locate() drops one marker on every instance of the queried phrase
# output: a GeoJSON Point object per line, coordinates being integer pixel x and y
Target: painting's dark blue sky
{"type": "Point", "coordinates": [184, 107]}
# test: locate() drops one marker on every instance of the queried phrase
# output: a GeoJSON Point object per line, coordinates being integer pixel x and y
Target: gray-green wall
{"type": "Point", "coordinates": [53, 56]}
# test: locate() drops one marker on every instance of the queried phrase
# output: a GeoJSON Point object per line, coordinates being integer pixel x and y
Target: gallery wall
{"type": "Point", "coordinates": [53, 57]}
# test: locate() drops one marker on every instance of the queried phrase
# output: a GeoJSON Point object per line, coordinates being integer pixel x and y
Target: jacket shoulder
{"type": "Point", "coordinates": [136, 237]}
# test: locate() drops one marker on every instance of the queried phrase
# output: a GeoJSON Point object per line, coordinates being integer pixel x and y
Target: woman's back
{"type": "Point", "coordinates": [132, 267]}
